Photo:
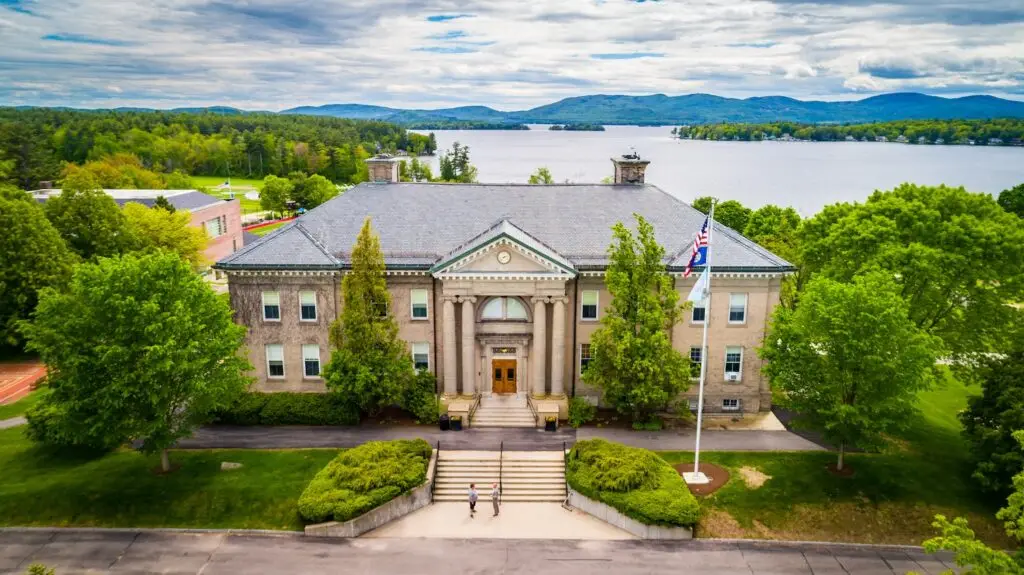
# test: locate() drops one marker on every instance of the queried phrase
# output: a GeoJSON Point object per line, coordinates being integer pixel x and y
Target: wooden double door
{"type": "Point", "coordinates": [504, 373]}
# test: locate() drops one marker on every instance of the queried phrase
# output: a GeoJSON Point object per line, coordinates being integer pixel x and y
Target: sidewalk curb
{"type": "Point", "coordinates": [182, 530]}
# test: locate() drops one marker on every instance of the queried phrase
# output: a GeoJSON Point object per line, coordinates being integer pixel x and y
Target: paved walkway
{"type": "Point", "coordinates": [516, 521]}
{"type": "Point", "coordinates": [72, 552]}
{"type": "Point", "coordinates": [12, 422]}
{"type": "Point", "coordinates": [515, 439]}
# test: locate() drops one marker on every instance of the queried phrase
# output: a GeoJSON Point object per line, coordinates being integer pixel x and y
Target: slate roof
{"type": "Point", "coordinates": [423, 224]}
{"type": "Point", "coordinates": [188, 200]}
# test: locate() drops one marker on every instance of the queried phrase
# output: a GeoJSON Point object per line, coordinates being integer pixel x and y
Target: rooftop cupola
{"type": "Point", "coordinates": [383, 168]}
{"type": "Point", "coordinates": [629, 169]}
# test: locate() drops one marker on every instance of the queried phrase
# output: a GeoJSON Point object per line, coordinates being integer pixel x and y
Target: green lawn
{"type": "Point", "coordinates": [213, 181]}
{"type": "Point", "coordinates": [267, 229]}
{"type": "Point", "coordinates": [891, 498]}
{"type": "Point", "coordinates": [39, 486]}
{"type": "Point", "coordinates": [21, 406]}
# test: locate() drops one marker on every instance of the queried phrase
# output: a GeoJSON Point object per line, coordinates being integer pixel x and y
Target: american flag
{"type": "Point", "coordinates": [699, 255]}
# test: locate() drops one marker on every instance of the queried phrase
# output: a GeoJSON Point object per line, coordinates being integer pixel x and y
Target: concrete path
{"type": "Point", "coordinates": [516, 521]}
{"type": "Point", "coordinates": [12, 422]}
{"type": "Point", "coordinates": [515, 439]}
{"type": "Point", "coordinates": [73, 552]}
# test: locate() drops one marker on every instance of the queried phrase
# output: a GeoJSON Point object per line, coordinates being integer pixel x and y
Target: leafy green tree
{"type": "Point", "coordinates": [275, 193]}
{"type": "Point", "coordinates": [958, 258]}
{"type": "Point", "coordinates": [370, 366]}
{"type": "Point", "coordinates": [89, 220]}
{"type": "Point", "coordinates": [33, 256]}
{"type": "Point", "coordinates": [774, 228]}
{"type": "Point", "coordinates": [634, 363]}
{"type": "Point", "coordinates": [849, 360]}
{"type": "Point", "coordinates": [991, 419]}
{"type": "Point", "coordinates": [314, 191]}
{"type": "Point", "coordinates": [978, 558]}
{"type": "Point", "coordinates": [162, 203]}
{"type": "Point", "coordinates": [732, 214]}
{"type": "Point", "coordinates": [138, 347]}
{"type": "Point", "coordinates": [177, 180]}
{"type": "Point", "coordinates": [154, 229]}
{"type": "Point", "coordinates": [541, 176]}
{"type": "Point", "coordinates": [703, 204]}
{"type": "Point", "coordinates": [431, 146]}
{"type": "Point", "coordinates": [1012, 200]}
{"type": "Point", "coordinates": [1013, 514]}
{"type": "Point", "coordinates": [455, 166]}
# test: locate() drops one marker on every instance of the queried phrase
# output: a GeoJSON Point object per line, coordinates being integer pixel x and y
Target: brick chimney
{"type": "Point", "coordinates": [383, 168]}
{"type": "Point", "coordinates": [629, 169]}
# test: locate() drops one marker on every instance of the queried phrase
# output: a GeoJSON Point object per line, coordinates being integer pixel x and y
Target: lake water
{"type": "Point", "coordinates": [805, 175]}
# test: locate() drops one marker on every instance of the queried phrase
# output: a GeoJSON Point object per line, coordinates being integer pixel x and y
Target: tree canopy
{"type": "Point", "coordinates": [541, 176]}
{"type": "Point", "coordinates": [1012, 200]}
{"type": "Point", "coordinates": [89, 220]}
{"type": "Point", "coordinates": [633, 360]}
{"type": "Point", "coordinates": [308, 193]}
{"type": "Point", "coordinates": [848, 359]}
{"type": "Point", "coordinates": [137, 347]}
{"type": "Point", "coordinates": [455, 166]}
{"type": "Point", "coordinates": [155, 229]}
{"type": "Point", "coordinates": [991, 419]}
{"type": "Point", "coordinates": [275, 193]}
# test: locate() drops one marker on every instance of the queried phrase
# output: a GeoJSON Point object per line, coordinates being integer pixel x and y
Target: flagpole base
{"type": "Point", "coordinates": [698, 478]}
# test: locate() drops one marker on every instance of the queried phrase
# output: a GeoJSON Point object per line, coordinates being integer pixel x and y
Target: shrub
{"type": "Point", "coordinates": [420, 398]}
{"type": "Point", "coordinates": [288, 408]}
{"type": "Point", "coordinates": [48, 424]}
{"type": "Point", "coordinates": [652, 424]}
{"type": "Point", "coordinates": [581, 411]}
{"type": "Point", "coordinates": [635, 481]}
{"type": "Point", "coordinates": [365, 477]}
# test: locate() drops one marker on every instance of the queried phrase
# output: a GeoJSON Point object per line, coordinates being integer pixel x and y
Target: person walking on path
{"type": "Point", "coordinates": [473, 496]}
{"type": "Point", "coordinates": [495, 496]}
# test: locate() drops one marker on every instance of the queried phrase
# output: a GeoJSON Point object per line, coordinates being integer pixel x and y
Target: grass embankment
{"type": "Point", "coordinates": [891, 498]}
{"type": "Point", "coordinates": [632, 480]}
{"type": "Point", "coordinates": [238, 185]}
{"type": "Point", "coordinates": [21, 406]}
{"type": "Point", "coordinates": [267, 229]}
{"type": "Point", "coordinates": [214, 181]}
{"type": "Point", "coordinates": [43, 487]}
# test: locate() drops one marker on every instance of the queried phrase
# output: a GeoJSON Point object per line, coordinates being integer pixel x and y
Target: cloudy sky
{"type": "Point", "coordinates": [509, 54]}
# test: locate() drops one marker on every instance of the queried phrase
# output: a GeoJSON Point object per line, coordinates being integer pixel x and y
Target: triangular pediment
{"type": "Point", "coordinates": [503, 249]}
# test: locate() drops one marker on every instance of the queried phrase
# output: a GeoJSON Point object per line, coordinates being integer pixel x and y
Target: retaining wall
{"type": "Point", "coordinates": [613, 516]}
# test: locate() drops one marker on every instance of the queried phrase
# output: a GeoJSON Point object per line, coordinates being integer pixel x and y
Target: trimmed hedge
{"type": "Point", "coordinates": [635, 481]}
{"type": "Point", "coordinates": [288, 408]}
{"type": "Point", "coordinates": [365, 477]}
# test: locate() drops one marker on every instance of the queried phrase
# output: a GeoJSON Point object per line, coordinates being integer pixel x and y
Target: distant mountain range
{"type": "Point", "coordinates": [693, 109]}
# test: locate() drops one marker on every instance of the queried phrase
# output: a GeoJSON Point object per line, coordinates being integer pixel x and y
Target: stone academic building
{"type": "Point", "coordinates": [498, 288]}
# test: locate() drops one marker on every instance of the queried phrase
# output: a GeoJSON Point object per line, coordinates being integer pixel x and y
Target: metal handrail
{"type": "Point", "coordinates": [501, 463]}
{"type": "Point", "coordinates": [565, 470]}
{"type": "Point", "coordinates": [433, 476]}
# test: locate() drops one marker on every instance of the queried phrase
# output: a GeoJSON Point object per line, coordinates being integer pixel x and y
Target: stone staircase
{"type": "Point", "coordinates": [526, 476]}
{"type": "Point", "coordinates": [503, 411]}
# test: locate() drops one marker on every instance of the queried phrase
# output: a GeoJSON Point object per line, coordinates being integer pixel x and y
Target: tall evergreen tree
{"type": "Point", "coordinates": [634, 363]}
{"type": "Point", "coordinates": [370, 366]}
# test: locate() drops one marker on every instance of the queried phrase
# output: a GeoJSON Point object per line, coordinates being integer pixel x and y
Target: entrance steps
{"type": "Point", "coordinates": [503, 411]}
{"type": "Point", "coordinates": [525, 476]}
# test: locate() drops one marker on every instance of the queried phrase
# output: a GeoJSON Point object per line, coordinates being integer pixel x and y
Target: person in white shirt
{"type": "Point", "coordinates": [473, 496]}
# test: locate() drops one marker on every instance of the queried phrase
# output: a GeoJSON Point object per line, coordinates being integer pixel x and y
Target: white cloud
{"type": "Point", "coordinates": [267, 54]}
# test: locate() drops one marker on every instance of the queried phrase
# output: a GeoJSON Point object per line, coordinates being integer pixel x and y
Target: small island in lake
{"type": "Point", "coordinates": [577, 127]}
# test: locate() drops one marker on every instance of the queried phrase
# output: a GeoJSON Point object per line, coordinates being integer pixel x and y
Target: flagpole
{"type": "Point", "coordinates": [696, 477]}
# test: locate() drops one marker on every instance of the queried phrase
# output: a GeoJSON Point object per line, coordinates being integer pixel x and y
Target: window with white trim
{"type": "Point", "coordinates": [588, 308]}
{"type": "Point", "coordinates": [215, 227]}
{"type": "Point", "coordinates": [419, 303]}
{"type": "Point", "coordinates": [421, 356]}
{"type": "Point", "coordinates": [695, 359]}
{"type": "Point", "coordinates": [307, 306]}
{"type": "Point", "coordinates": [311, 360]}
{"type": "Point", "coordinates": [730, 405]}
{"type": "Point", "coordinates": [737, 308]}
{"type": "Point", "coordinates": [507, 308]}
{"type": "Point", "coordinates": [271, 306]}
{"type": "Point", "coordinates": [699, 312]}
{"type": "Point", "coordinates": [275, 360]}
{"type": "Point", "coordinates": [585, 357]}
{"type": "Point", "coordinates": [733, 361]}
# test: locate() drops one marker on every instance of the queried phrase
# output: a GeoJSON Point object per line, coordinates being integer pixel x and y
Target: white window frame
{"type": "Point", "coordinates": [412, 304]}
{"type": "Point", "coordinates": [735, 407]}
{"type": "Point", "coordinates": [745, 301]}
{"type": "Point", "coordinates": [219, 224]}
{"type": "Point", "coordinates": [597, 304]}
{"type": "Point", "coordinates": [580, 361]}
{"type": "Point", "coordinates": [316, 307]}
{"type": "Point", "coordinates": [319, 366]}
{"type": "Point", "coordinates": [263, 307]}
{"type": "Point", "coordinates": [703, 304]}
{"type": "Point", "coordinates": [266, 353]}
{"type": "Point", "coordinates": [426, 346]}
{"type": "Point", "coordinates": [725, 364]}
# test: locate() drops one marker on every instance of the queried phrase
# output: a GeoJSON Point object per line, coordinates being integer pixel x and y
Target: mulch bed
{"type": "Point", "coordinates": [846, 471]}
{"type": "Point", "coordinates": [718, 476]}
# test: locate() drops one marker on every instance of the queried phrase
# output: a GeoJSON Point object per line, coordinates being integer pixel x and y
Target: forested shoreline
{"type": "Point", "coordinates": [996, 132]}
{"type": "Point", "coordinates": [36, 144]}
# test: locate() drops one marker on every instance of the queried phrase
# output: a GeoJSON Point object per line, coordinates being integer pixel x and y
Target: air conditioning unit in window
{"type": "Point", "coordinates": [732, 377]}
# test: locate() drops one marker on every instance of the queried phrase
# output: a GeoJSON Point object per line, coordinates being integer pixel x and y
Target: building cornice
{"type": "Point", "coordinates": [281, 272]}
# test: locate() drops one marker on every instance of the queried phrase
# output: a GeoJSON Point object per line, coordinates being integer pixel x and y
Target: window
{"type": "Point", "coordinates": [271, 306]}
{"type": "Point", "coordinates": [733, 362]}
{"type": "Point", "coordinates": [215, 227]}
{"type": "Point", "coordinates": [695, 358]}
{"type": "Point", "coordinates": [584, 357]}
{"type": "Point", "coordinates": [311, 360]}
{"type": "Point", "coordinates": [589, 302]}
{"type": "Point", "coordinates": [504, 308]}
{"type": "Point", "coordinates": [275, 360]}
{"type": "Point", "coordinates": [307, 306]}
{"type": "Point", "coordinates": [421, 356]}
{"type": "Point", "coordinates": [699, 312]}
{"type": "Point", "coordinates": [419, 303]}
{"type": "Point", "coordinates": [737, 307]}
{"type": "Point", "coordinates": [730, 405]}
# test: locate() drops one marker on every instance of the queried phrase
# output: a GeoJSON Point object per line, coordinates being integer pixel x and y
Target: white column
{"type": "Point", "coordinates": [539, 346]}
{"type": "Point", "coordinates": [558, 347]}
{"type": "Point", "coordinates": [451, 377]}
{"type": "Point", "coordinates": [468, 346]}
